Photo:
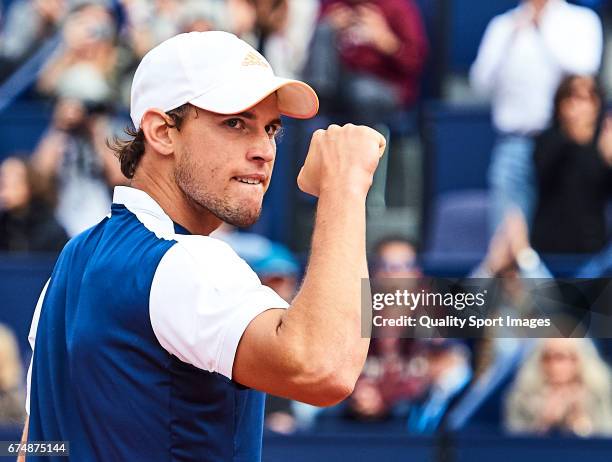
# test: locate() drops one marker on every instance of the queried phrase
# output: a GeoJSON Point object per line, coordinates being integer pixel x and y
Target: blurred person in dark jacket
{"type": "Point", "coordinates": [367, 56]}
{"type": "Point", "coordinates": [563, 387]}
{"type": "Point", "coordinates": [27, 223]}
{"type": "Point", "coordinates": [573, 163]}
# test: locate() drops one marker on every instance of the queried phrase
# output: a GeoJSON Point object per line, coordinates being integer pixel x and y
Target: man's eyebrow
{"type": "Point", "coordinates": [251, 116]}
{"type": "Point", "coordinates": [276, 122]}
{"type": "Point", "coordinates": [247, 115]}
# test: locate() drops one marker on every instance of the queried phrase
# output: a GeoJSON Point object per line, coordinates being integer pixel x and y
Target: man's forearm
{"type": "Point", "coordinates": [324, 321]}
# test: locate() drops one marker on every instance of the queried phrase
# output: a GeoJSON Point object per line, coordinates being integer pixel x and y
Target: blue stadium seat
{"type": "Point", "coordinates": [476, 447]}
{"type": "Point", "coordinates": [22, 125]}
{"type": "Point", "coordinates": [10, 433]}
{"type": "Point", "coordinates": [459, 223]}
{"type": "Point", "coordinates": [21, 280]}
{"type": "Point", "coordinates": [458, 143]}
{"type": "Point", "coordinates": [468, 21]}
{"type": "Point", "coordinates": [458, 233]}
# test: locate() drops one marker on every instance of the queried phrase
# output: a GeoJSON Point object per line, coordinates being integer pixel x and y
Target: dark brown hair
{"type": "Point", "coordinates": [565, 90]}
{"type": "Point", "coordinates": [130, 151]}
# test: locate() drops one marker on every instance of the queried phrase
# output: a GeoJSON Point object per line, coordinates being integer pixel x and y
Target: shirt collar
{"type": "Point", "coordinates": [145, 208]}
{"type": "Point", "coordinates": [549, 5]}
{"type": "Point", "coordinates": [137, 199]}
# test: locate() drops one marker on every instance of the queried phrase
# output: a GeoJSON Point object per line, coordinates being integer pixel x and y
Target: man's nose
{"type": "Point", "coordinates": [263, 149]}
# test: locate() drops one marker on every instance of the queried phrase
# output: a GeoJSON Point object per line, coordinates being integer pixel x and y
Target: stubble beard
{"type": "Point", "coordinates": [232, 213]}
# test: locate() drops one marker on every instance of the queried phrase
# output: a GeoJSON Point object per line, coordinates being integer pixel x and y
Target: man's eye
{"type": "Point", "coordinates": [274, 130]}
{"type": "Point", "coordinates": [234, 123]}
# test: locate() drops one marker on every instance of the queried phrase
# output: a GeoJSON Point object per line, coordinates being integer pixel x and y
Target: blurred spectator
{"type": "Point", "coordinates": [84, 67]}
{"type": "Point", "coordinates": [395, 257]}
{"type": "Point", "coordinates": [564, 387]}
{"type": "Point", "coordinates": [403, 376]}
{"type": "Point", "coordinates": [366, 57]}
{"type": "Point", "coordinates": [74, 153]}
{"type": "Point", "coordinates": [511, 270]}
{"type": "Point", "coordinates": [251, 247]}
{"type": "Point", "coordinates": [242, 17]}
{"type": "Point", "coordinates": [573, 161]}
{"type": "Point", "coordinates": [27, 223]}
{"type": "Point", "coordinates": [150, 22]}
{"type": "Point", "coordinates": [12, 396]}
{"type": "Point", "coordinates": [202, 16]}
{"type": "Point", "coordinates": [282, 32]}
{"type": "Point", "coordinates": [279, 270]}
{"type": "Point", "coordinates": [510, 253]}
{"type": "Point", "coordinates": [28, 23]}
{"type": "Point", "coordinates": [523, 56]}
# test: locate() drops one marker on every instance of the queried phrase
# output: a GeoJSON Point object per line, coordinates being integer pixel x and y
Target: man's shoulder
{"type": "Point", "coordinates": [583, 22]}
{"type": "Point", "coordinates": [81, 239]}
{"type": "Point", "coordinates": [204, 256]}
{"type": "Point", "coordinates": [204, 247]}
{"type": "Point", "coordinates": [577, 12]}
{"type": "Point", "coordinates": [504, 20]}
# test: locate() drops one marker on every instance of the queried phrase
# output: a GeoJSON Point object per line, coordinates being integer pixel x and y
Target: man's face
{"type": "Point", "coordinates": [224, 162]}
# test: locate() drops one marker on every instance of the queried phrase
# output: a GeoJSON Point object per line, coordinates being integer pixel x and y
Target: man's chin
{"type": "Point", "coordinates": [241, 219]}
{"type": "Point", "coordinates": [243, 223]}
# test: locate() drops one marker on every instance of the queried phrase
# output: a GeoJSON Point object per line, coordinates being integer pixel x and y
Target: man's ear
{"type": "Point", "coordinates": [156, 126]}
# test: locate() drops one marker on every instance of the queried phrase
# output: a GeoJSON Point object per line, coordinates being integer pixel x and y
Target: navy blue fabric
{"type": "Point", "coordinates": [102, 381]}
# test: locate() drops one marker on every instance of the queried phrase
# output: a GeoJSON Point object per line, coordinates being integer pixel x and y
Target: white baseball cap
{"type": "Point", "coordinates": [215, 71]}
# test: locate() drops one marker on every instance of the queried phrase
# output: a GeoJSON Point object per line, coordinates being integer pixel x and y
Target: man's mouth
{"type": "Point", "coordinates": [250, 179]}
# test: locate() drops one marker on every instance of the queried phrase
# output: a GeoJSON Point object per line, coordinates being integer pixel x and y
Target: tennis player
{"type": "Point", "coordinates": [154, 342]}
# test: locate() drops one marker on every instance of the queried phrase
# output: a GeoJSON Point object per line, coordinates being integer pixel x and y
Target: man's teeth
{"type": "Point", "coordinates": [248, 180]}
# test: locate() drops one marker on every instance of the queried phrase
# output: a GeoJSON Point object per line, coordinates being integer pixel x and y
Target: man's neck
{"type": "Point", "coordinates": [191, 216]}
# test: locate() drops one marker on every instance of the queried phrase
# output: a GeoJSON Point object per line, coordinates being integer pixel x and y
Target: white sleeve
{"type": "Point", "coordinates": [203, 297]}
{"type": "Point", "coordinates": [32, 340]}
{"type": "Point", "coordinates": [495, 42]}
{"type": "Point", "coordinates": [580, 51]}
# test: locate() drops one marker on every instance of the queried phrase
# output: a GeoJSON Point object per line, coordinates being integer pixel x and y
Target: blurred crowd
{"type": "Point", "coordinates": [550, 178]}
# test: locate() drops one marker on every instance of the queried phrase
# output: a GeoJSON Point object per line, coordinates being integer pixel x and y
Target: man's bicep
{"type": "Point", "coordinates": [260, 358]}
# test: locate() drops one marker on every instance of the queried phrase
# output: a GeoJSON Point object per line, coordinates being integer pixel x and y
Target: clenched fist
{"type": "Point", "coordinates": [341, 159]}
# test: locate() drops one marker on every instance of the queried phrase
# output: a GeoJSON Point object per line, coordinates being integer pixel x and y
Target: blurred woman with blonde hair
{"type": "Point", "coordinates": [564, 387]}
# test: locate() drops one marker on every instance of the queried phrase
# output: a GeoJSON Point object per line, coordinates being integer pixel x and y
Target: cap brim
{"type": "Point", "coordinates": [295, 99]}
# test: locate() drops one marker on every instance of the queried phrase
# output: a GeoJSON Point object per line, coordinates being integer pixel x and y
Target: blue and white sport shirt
{"type": "Point", "coordinates": [134, 338]}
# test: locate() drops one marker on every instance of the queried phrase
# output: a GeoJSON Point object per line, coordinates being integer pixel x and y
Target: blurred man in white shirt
{"type": "Point", "coordinates": [523, 56]}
